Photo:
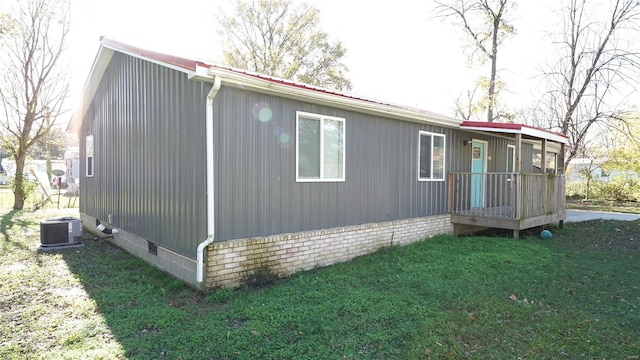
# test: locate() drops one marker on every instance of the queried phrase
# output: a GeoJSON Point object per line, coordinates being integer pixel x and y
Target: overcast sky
{"type": "Point", "coordinates": [397, 50]}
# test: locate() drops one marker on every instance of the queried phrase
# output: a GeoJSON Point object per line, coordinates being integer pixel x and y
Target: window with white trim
{"type": "Point", "coordinates": [320, 154]}
{"type": "Point", "coordinates": [89, 155]}
{"type": "Point", "coordinates": [431, 157]}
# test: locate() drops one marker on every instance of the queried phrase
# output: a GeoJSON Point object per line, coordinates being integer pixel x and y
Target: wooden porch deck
{"type": "Point", "coordinates": [513, 201]}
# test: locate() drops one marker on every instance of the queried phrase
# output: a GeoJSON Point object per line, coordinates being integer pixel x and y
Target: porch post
{"type": "Point", "coordinates": [561, 167]}
{"type": "Point", "coordinates": [517, 165]}
{"type": "Point", "coordinates": [561, 170]}
{"type": "Point", "coordinates": [543, 163]}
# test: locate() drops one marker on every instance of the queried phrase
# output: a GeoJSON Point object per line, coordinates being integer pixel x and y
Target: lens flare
{"type": "Point", "coordinates": [262, 111]}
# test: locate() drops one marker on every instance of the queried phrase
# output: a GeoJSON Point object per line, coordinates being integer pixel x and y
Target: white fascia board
{"type": "Point", "coordinates": [542, 134]}
{"type": "Point", "coordinates": [329, 99]}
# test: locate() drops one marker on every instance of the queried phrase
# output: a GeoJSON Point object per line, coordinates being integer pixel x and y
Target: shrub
{"type": "Point", "coordinates": [29, 186]}
{"type": "Point", "coordinates": [620, 188]}
{"type": "Point", "coordinates": [576, 190]}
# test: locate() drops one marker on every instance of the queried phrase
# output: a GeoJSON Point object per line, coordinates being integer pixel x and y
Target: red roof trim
{"type": "Point", "coordinates": [192, 65]}
{"type": "Point", "coordinates": [318, 89]}
{"type": "Point", "coordinates": [177, 61]}
{"type": "Point", "coordinates": [506, 126]}
{"type": "Point", "coordinates": [492, 125]}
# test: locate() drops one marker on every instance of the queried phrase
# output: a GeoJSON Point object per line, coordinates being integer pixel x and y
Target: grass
{"type": "Point", "coordinates": [604, 205]}
{"type": "Point", "coordinates": [575, 296]}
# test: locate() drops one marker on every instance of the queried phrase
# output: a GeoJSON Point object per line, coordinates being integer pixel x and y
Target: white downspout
{"type": "Point", "coordinates": [210, 205]}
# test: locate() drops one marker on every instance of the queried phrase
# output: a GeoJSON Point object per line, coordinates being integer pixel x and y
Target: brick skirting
{"type": "Point", "coordinates": [237, 262]}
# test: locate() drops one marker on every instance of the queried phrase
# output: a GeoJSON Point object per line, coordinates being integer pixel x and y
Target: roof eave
{"type": "Point", "coordinates": [233, 78]}
{"type": "Point", "coordinates": [520, 129]}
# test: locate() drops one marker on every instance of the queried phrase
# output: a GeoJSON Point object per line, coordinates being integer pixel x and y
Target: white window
{"type": "Point", "coordinates": [511, 161]}
{"type": "Point", "coordinates": [319, 147]}
{"type": "Point", "coordinates": [89, 148]}
{"type": "Point", "coordinates": [431, 157]}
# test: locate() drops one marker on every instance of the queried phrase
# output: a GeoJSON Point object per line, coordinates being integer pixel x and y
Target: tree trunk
{"type": "Point", "coordinates": [492, 89]}
{"type": "Point", "coordinates": [494, 60]}
{"type": "Point", "coordinates": [18, 191]}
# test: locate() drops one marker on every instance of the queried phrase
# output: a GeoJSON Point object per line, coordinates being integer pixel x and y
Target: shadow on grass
{"type": "Point", "coordinates": [11, 223]}
{"type": "Point", "coordinates": [147, 312]}
{"type": "Point", "coordinates": [446, 297]}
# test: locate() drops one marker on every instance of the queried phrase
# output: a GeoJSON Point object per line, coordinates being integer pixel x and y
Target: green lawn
{"type": "Point", "coordinates": [576, 296]}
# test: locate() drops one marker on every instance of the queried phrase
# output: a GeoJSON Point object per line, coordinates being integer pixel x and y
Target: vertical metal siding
{"type": "Point", "coordinates": [256, 189]}
{"type": "Point", "coordinates": [148, 123]}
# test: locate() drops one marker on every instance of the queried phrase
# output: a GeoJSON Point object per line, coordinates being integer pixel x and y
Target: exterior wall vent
{"type": "Point", "coordinates": [153, 248]}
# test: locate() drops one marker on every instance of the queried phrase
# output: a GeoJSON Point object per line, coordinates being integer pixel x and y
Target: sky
{"type": "Point", "coordinates": [397, 51]}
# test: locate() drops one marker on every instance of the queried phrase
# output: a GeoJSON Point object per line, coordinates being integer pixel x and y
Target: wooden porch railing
{"type": "Point", "coordinates": [506, 195]}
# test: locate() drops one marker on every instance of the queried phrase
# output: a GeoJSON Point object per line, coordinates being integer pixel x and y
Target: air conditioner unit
{"type": "Point", "coordinates": [61, 231]}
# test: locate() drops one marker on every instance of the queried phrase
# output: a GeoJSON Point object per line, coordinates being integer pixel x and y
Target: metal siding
{"type": "Point", "coordinates": [148, 124]}
{"type": "Point", "coordinates": [256, 189]}
{"type": "Point", "coordinates": [526, 158]}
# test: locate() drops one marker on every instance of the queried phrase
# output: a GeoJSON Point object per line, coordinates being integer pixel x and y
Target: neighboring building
{"type": "Point", "coordinates": [576, 171]}
{"type": "Point", "coordinates": [221, 176]}
{"type": "Point", "coordinates": [38, 166]}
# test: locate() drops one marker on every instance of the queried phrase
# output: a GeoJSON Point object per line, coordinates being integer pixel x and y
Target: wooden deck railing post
{"type": "Point", "coordinates": [450, 193]}
{"type": "Point", "coordinates": [513, 201]}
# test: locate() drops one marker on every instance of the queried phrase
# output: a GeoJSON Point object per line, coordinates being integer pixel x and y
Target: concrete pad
{"type": "Point", "coordinates": [582, 215]}
{"type": "Point", "coordinates": [59, 247]}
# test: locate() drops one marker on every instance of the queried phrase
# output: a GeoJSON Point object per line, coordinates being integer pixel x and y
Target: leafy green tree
{"type": "Point", "coordinates": [487, 25]}
{"type": "Point", "coordinates": [275, 38]}
{"type": "Point", "coordinates": [55, 141]}
{"type": "Point", "coordinates": [623, 155]}
{"type": "Point", "coordinates": [34, 85]}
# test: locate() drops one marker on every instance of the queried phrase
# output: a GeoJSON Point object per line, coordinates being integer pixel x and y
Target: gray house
{"type": "Point", "coordinates": [221, 176]}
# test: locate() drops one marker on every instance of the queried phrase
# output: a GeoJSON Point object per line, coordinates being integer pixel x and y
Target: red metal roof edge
{"type": "Point", "coordinates": [318, 89]}
{"type": "Point", "coordinates": [509, 126]}
{"type": "Point", "coordinates": [178, 61]}
{"type": "Point", "coordinates": [191, 65]}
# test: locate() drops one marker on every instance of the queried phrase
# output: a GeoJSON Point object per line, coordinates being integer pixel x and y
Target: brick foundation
{"type": "Point", "coordinates": [236, 262]}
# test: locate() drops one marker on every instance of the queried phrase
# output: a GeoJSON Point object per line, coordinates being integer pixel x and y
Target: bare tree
{"type": "Point", "coordinates": [33, 86]}
{"type": "Point", "coordinates": [487, 24]}
{"type": "Point", "coordinates": [275, 38]}
{"type": "Point", "coordinates": [466, 107]}
{"type": "Point", "coordinates": [597, 63]}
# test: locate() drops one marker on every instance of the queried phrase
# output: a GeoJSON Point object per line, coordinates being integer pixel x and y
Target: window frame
{"type": "Point", "coordinates": [444, 152]}
{"type": "Point", "coordinates": [90, 156]}
{"type": "Point", "coordinates": [321, 119]}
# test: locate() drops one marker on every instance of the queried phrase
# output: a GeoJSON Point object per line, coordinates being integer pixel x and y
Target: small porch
{"type": "Point", "coordinates": [517, 198]}
{"type": "Point", "coordinates": [506, 200]}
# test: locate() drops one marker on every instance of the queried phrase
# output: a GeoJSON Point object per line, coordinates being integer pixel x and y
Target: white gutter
{"type": "Point", "coordinates": [210, 205]}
